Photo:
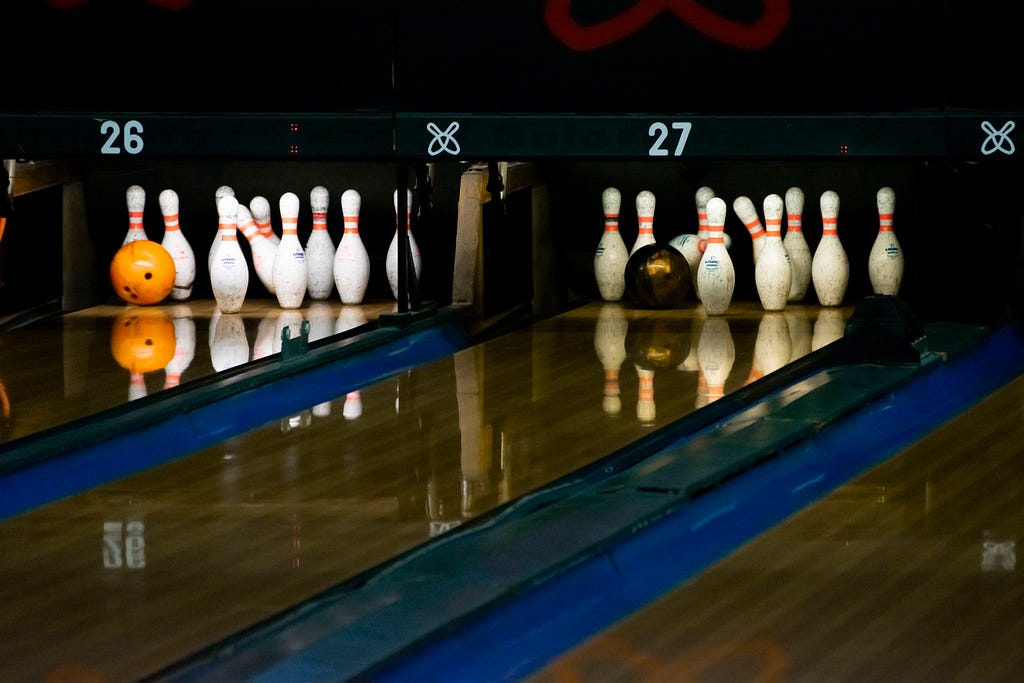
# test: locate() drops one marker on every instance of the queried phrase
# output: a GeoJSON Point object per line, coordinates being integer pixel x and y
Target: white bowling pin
{"type": "Point", "coordinates": [747, 212]}
{"type": "Point", "coordinates": [260, 208]}
{"type": "Point", "coordinates": [830, 268]}
{"type": "Point", "coordinates": [351, 260]}
{"type": "Point", "coordinates": [885, 261]}
{"type": "Point", "coordinates": [612, 254]}
{"type": "Point", "coordinates": [701, 197]}
{"type": "Point", "coordinates": [263, 251]}
{"type": "Point", "coordinates": [320, 248]}
{"type": "Point", "coordinates": [136, 199]}
{"type": "Point", "coordinates": [716, 354]}
{"type": "Point", "coordinates": [688, 244]}
{"type": "Point", "coordinates": [773, 274]}
{"type": "Point", "coordinates": [391, 260]}
{"type": "Point", "coordinates": [645, 220]}
{"type": "Point", "coordinates": [796, 244]}
{"type": "Point", "coordinates": [229, 272]}
{"type": "Point", "coordinates": [222, 191]}
{"type": "Point", "coordinates": [177, 246]}
{"type": "Point", "coordinates": [184, 345]}
{"type": "Point", "coordinates": [610, 345]}
{"type": "Point", "coordinates": [291, 274]}
{"type": "Point", "coordinates": [716, 275]}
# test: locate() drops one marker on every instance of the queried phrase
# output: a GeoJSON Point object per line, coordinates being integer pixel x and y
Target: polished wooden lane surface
{"type": "Point", "coordinates": [64, 368]}
{"type": "Point", "coordinates": [129, 577]}
{"type": "Point", "coordinates": [908, 573]}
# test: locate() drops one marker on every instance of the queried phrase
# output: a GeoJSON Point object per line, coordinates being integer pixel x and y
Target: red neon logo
{"type": "Point", "coordinates": [755, 36]}
{"type": "Point", "coordinates": [166, 4]}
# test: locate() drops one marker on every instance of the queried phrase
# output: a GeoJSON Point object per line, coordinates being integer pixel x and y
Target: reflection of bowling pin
{"type": "Point", "coordinates": [184, 345]}
{"type": "Point", "coordinates": [291, 275]}
{"type": "Point", "coordinates": [265, 331]}
{"type": "Point", "coordinates": [716, 353]}
{"type": "Point", "coordinates": [799, 332]}
{"type": "Point", "coordinates": [773, 274]}
{"type": "Point", "coordinates": [391, 260]}
{"type": "Point", "coordinates": [349, 317]}
{"type": "Point", "coordinates": [351, 261]}
{"type": "Point", "coordinates": [322, 409]}
{"type": "Point", "coordinates": [177, 246]}
{"type": "Point", "coordinates": [830, 326]}
{"type": "Point", "coordinates": [320, 247]}
{"type": "Point", "coordinates": [646, 410]}
{"type": "Point", "coordinates": [796, 244]}
{"type": "Point", "coordinates": [263, 251]}
{"type": "Point", "coordinates": [610, 345]}
{"type": "Point", "coordinates": [773, 346]}
{"type": "Point", "coordinates": [885, 260]}
{"type": "Point", "coordinates": [353, 407]}
{"type": "Point", "coordinates": [611, 255]}
{"type": "Point", "coordinates": [229, 273]}
{"type": "Point", "coordinates": [259, 206]}
{"type": "Point", "coordinates": [716, 277]}
{"type": "Point", "coordinates": [321, 320]}
{"type": "Point", "coordinates": [136, 386]}
{"type": "Point", "coordinates": [136, 199]}
{"type": "Point", "coordinates": [291, 319]}
{"type": "Point", "coordinates": [222, 191]}
{"type": "Point", "coordinates": [645, 220]}
{"type": "Point", "coordinates": [830, 269]}
{"type": "Point", "coordinates": [747, 213]}
{"type": "Point", "coordinates": [230, 346]}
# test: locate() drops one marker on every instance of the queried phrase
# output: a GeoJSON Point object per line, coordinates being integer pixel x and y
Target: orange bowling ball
{"type": "Point", "coordinates": [142, 340]}
{"type": "Point", "coordinates": [142, 272]}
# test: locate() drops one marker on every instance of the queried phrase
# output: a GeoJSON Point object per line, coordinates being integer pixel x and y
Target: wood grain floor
{"type": "Point", "coordinates": [119, 581]}
{"type": "Point", "coordinates": [907, 573]}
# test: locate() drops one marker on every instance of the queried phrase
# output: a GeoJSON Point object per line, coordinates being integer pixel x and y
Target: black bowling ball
{"type": "Point", "coordinates": [657, 276]}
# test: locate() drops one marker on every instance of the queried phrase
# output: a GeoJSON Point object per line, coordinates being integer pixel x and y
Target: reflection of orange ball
{"type": "Point", "coordinates": [142, 340]}
{"type": "Point", "coordinates": [142, 272]}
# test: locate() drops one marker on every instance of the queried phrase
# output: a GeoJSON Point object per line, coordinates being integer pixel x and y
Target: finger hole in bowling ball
{"type": "Point", "coordinates": [657, 276]}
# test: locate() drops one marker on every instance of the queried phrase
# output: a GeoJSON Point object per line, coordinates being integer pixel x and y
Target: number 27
{"type": "Point", "coordinates": [659, 131]}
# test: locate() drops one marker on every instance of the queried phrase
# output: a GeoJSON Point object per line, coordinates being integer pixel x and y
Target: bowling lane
{"type": "Point", "coordinates": [60, 369]}
{"type": "Point", "coordinates": [907, 573]}
{"type": "Point", "coordinates": [126, 578]}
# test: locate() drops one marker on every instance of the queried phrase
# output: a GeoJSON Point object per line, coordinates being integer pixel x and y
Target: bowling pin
{"type": "Point", "coordinates": [184, 345]}
{"type": "Point", "coordinates": [645, 220]}
{"type": "Point", "coordinates": [747, 213]}
{"type": "Point", "coordinates": [688, 244]}
{"type": "Point", "coordinates": [646, 409]}
{"type": "Point", "coordinates": [796, 244]}
{"type": "Point", "coordinates": [611, 255]}
{"type": "Point", "coordinates": [716, 276]}
{"type": "Point", "coordinates": [830, 268]}
{"type": "Point", "coordinates": [136, 199]}
{"type": "Point", "coordinates": [222, 191]}
{"type": "Point", "coordinates": [263, 250]}
{"type": "Point", "coordinates": [320, 248]}
{"type": "Point", "coordinates": [773, 275]}
{"type": "Point", "coordinates": [701, 197]}
{"type": "Point", "coordinates": [229, 272]}
{"type": "Point", "coordinates": [351, 260]}
{"type": "Point", "coordinates": [177, 246]}
{"type": "Point", "coordinates": [610, 346]}
{"type": "Point", "coordinates": [885, 261]}
{"type": "Point", "coordinates": [291, 274]}
{"type": "Point", "coordinates": [716, 353]}
{"type": "Point", "coordinates": [391, 261]}
{"type": "Point", "coordinates": [259, 206]}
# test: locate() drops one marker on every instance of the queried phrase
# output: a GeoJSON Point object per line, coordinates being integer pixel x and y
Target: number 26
{"type": "Point", "coordinates": [132, 137]}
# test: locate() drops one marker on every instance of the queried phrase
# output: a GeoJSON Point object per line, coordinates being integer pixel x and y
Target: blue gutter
{"type": "Point", "coordinates": [172, 425]}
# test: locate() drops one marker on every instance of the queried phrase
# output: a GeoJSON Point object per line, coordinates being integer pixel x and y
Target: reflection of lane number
{"type": "Point", "coordinates": [659, 131]}
{"type": "Point", "coordinates": [132, 138]}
